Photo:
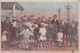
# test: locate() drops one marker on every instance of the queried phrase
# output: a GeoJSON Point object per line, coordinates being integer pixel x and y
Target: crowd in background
{"type": "Point", "coordinates": [40, 31]}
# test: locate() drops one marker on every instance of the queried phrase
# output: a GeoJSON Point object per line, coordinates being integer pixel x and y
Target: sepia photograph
{"type": "Point", "coordinates": [39, 26]}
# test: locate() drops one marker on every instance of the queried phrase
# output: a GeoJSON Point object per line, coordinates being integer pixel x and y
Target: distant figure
{"type": "Point", "coordinates": [73, 33]}
{"type": "Point", "coordinates": [66, 31]}
{"type": "Point", "coordinates": [49, 34]}
{"type": "Point", "coordinates": [54, 30]}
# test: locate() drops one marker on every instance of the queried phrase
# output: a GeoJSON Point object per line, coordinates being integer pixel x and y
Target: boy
{"type": "Point", "coordinates": [36, 34]}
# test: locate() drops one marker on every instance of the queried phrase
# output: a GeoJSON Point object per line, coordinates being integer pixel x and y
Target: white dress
{"type": "Point", "coordinates": [31, 31]}
{"type": "Point", "coordinates": [29, 24]}
{"type": "Point", "coordinates": [25, 37]}
{"type": "Point", "coordinates": [42, 32]}
{"type": "Point", "coordinates": [60, 36]}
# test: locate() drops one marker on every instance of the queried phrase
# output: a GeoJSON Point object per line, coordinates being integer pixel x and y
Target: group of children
{"type": "Point", "coordinates": [40, 36]}
{"type": "Point", "coordinates": [36, 32]}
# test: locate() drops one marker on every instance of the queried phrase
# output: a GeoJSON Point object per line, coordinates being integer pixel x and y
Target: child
{"type": "Point", "coordinates": [59, 38]}
{"type": "Point", "coordinates": [25, 33]}
{"type": "Point", "coordinates": [4, 39]}
{"type": "Point", "coordinates": [42, 37]}
{"type": "Point", "coordinates": [32, 30]}
{"type": "Point", "coordinates": [31, 42]}
{"type": "Point", "coordinates": [36, 34]}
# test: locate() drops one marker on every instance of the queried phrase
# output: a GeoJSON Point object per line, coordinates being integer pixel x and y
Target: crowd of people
{"type": "Point", "coordinates": [40, 31]}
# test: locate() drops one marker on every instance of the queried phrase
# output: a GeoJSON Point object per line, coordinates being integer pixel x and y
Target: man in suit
{"type": "Point", "coordinates": [10, 31]}
{"type": "Point", "coordinates": [55, 20]}
{"type": "Point", "coordinates": [55, 25]}
{"type": "Point", "coordinates": [67, 28]}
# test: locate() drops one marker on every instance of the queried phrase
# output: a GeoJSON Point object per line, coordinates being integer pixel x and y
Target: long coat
{"type": "Point", "coordinates": [56, 22]}
{"type": "Point", "coordinates": [73, 33]}
{"type": "Point", "coordinates": [67, 28]}
{"type": "Point", "coordinates": [10, 29]}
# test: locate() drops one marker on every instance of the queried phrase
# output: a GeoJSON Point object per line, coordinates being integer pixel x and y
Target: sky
{"type": "Point", "coordinates": [48, 8]}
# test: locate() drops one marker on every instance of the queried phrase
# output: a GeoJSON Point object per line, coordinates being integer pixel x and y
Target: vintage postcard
{"type": "Point", "coordinates": [39, 26]}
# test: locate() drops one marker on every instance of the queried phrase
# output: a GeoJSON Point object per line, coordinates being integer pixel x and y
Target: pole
{"type": "Point", "coordinates": [13, 10]}
{"type": "Point", "coordinates": [68, 11]}
{"type": "Point", "coordinates": [59, 11]}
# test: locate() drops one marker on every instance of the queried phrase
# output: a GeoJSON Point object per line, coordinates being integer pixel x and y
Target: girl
{"type": "Point", "coordinates": [4, 39]}
{"type": "Point", "coordinates": [42, 32]}
{"type": "Point", "coordinates": [25, 33]}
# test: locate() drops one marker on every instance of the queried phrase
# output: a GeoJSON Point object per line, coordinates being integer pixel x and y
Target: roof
{"type": "Point", "coordinates": [9, 6]}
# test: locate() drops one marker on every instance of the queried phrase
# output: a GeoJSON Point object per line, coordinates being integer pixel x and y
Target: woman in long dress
{"type": "Point", "coordinates": [73, 33]}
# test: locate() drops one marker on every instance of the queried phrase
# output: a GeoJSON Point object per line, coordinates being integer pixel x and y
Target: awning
{"type": "Point", "coordinates": [9, 6]}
